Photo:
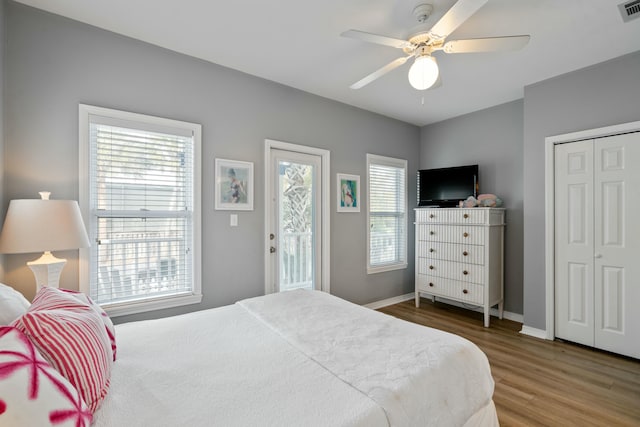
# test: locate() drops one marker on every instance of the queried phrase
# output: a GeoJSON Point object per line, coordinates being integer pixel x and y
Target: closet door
{"type": "Point", "coordinates": [574, 243]}
{"type": "Point", "coordinates": [617, 243]}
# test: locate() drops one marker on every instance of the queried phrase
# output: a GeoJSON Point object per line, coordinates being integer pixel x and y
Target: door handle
{"type": "Point", "coordinates": [597, 256]}
{"type": "Point", "coordinates": [272, 249]}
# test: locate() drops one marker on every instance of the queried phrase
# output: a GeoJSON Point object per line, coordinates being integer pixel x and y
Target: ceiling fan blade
{"type": "Point", "coordinates": [489, 44]}
{"type": "Point", "coordinates": [459, 12]}
{"type": "Point", "coordinates": [381, 72]}
{"type": "Point", "coordinates": [377, 39]}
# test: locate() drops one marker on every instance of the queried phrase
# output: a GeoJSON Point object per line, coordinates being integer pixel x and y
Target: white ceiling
{"type": "Point", "coordinates": [297, 43]}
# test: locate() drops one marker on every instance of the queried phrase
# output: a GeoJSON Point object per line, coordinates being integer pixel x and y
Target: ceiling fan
{"type": "Point", "coordinates": [424, 72]}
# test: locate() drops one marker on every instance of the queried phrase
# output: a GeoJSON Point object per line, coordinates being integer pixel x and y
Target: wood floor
{"type": "Point", "coordinates": [539, 382]}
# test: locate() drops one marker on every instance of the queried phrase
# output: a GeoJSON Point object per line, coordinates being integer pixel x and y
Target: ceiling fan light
{"type": "Point", "coordinates": [424, 72]}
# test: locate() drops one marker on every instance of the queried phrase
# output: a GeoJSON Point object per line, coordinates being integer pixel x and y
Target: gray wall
{"type": "Point", "coordinates": [2, 50]}
{"type": "Point", "coordinates": [491, 138]}
{"type": "Point", "coordinates": [601, 95]}
{"type": "Point", "coordinates": [54, 63]}
{"type": "Point", "coordinates": [507, 142]}
{"type": "Point", "coordinates": [51, 64]}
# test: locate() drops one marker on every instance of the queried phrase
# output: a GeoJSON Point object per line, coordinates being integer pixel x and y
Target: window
{"type": "Point", "coordinates": [387, 214]}
{"type": "Point", "coordinates": [139, 194]}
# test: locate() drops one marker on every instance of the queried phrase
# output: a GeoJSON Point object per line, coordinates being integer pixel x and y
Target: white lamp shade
{"type": "Point", "coordinates": [34, 225]}
{"type": "Point", "coordinates": [424, 72]}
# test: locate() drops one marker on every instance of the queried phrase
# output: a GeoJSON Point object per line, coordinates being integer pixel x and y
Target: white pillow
{"type": "Point", "coordinates": [12, 304]}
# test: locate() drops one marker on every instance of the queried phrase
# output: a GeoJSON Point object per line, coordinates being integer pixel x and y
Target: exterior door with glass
{"type": "Point", "coordinates": [295, 223]}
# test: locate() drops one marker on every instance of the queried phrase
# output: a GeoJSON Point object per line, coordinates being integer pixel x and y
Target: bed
{"type": "Point", "coordinates": [302, 358]}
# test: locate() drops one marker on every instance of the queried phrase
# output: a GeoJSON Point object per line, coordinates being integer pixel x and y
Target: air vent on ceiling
{"type": "Point", "coordinates": [630, 10]}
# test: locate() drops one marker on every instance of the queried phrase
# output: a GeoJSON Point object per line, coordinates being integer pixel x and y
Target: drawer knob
{"type": "Point", "coordinates": [431, 284]}
{"type": "Point", "coordinates": [432, 233]}
{"type": "Point", "coordinates": [432, 216]}
{"type": "Point", "coordinates": [465, 272]}
{"type": "Point", "coordinates": [431, 267]}
{"type": "Point", "coordinates": [464, 291]}
{"type": "Point", "coordinates": [465, 234]}
{"type": "Point", "coordinates": [465, 253]}
{"type": "Point", "coordinates": [432, 250]}
{"type": "Point", "coordinates": [465, 216]}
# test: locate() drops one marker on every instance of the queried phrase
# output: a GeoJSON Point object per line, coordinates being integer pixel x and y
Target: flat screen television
{"type": "Point", "coordinates": [445, 187]}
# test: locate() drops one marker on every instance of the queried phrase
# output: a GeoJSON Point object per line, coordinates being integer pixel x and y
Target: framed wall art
{"type": "Point", "coordinates": [348, 192]}
{"type": "Point", "coordinates": [234, 185]}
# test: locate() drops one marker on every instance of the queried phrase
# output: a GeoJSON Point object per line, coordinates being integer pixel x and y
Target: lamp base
{"type": "Point", "coordinates": [47, 270]}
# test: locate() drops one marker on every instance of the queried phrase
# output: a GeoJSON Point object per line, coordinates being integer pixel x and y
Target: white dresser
{"type": "Point", "coordinates": [459, 256]}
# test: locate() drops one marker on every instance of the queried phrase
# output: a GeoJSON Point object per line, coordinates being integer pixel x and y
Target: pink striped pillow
{"type": "Point", "coordinates": [54, 298]}
{"type": "Point", "coordinates": [32, 393]}
{"type": "Point", "coordinates": [74, 341]}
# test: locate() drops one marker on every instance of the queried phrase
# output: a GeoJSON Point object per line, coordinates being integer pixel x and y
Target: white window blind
{"type": "Point", "coordinates": [387, 213]}
{"type": "Point", "coordinates": [141, 203]}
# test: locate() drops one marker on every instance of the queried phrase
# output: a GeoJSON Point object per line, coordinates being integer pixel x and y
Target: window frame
{"type": "Point", "coordinates": [154, 303]}
{"type": "Point", "coordinates": [397, 163]}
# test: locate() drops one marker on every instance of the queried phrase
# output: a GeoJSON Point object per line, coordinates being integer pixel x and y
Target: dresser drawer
{"type": "Point", "coordinates": [471, 254]}
{"type": "Point", "coordinates": [464, 272]}
{"type": "Point", "coordinates": [473, 235]}
{"type": "Point", "coordinates": [452, 216]}
{"type": "Point", "coordinates": [454, 289]}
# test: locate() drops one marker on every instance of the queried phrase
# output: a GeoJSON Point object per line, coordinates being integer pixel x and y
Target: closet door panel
{"type": "Point", "coordinates": [612, 221]}
{"type": "Point", "coordinates": [612, 299]}
{"type": "Point", "coordinates": [578, 281]}
{"type": "Point", "coordinates": [617, 243]}
{"type": "Point", "coordinates": [574, 242]}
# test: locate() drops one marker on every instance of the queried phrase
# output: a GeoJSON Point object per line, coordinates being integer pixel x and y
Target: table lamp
{"type": "Point", "coordinates": [34, 225]}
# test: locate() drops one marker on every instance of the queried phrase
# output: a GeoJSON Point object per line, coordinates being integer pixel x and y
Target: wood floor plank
{"type": "Point", "coordinates": [540, 382]}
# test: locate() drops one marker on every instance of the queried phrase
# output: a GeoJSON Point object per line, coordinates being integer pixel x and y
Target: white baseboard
{"type": "Point", "coordinates": [493, 311]}
{"type": "Point", "coordinates": [515, 317]}
{"type": "Point", "coordinates": [533, 332]}
{"type": "Point", "coordinates": [395, 300]}
{"type": "Point", "coordinates": [390, 301]}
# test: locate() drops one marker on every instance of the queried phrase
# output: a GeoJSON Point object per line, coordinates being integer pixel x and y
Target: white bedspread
{"type": "Point", "coordinates": [419, 376]}
{"type": "Point", "coordinates": [297, 358]}
{"type": "Point", "coordinates": [221, 367]}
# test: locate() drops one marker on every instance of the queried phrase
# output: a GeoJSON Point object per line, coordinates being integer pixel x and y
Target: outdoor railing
{"type": "Point", "coordinates": [296, 261]}
{"type": "Point", "coordinates": [131, 265]}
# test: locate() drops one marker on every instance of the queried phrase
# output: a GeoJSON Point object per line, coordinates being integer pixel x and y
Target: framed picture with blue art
{"type": "Point", "coordinates": [234, 185]}
{"type": "Point", "coordinates": [348, 192]}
